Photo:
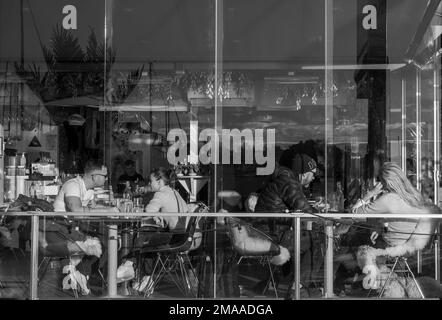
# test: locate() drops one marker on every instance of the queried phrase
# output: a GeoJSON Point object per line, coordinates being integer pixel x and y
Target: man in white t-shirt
{"type": "Point", "coordinates": [76, 194]}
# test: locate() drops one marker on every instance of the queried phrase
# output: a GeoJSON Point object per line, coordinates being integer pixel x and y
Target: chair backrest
{"type": "Point", "coordinates": [247, 240]}
{"type": "Point", "coordinates": [182, 241]}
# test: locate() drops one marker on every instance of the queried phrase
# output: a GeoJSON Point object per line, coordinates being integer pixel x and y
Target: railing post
{"type": "Point", "coordinates": [112, 245]}
{"type": "Point", "coordinates": [419, 261]}
{"type": "Point", "coordinates": [328, 270]}
{"type": "Point", "coordinates": [297, 256]}
{"type": "Point", "coordinates": [437, 255]}
{"type": "Point", "coordinates": [34, 258]}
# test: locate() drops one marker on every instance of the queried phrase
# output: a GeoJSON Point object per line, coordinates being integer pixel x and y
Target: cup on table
{"type": "Point", "coordinates": [138, 205]}
{"type": "Point", "coordinates": [128, 206]}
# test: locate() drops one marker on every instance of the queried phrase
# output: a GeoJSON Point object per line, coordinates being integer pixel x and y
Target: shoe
{"type": "Point", "coordinates": [125, 272]}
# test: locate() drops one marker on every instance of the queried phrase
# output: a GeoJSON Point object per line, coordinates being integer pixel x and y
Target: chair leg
{"type": "Point", "coordinates": [414, 280]}
{"type": "Point", "coordinates": [152, 280]}
{"type": "Point", "coordinates": [388, 278]}
{"type": "Point", "coordinates": [44, 262]}
{"type": "Point", "coordinates": [272, 278]}
{"type": "Point", "coordinates": [192, 270]}
{"type": "Point", "coordinates": [102, 278]}
{"type": "Point", "coordinates": [184, 276]}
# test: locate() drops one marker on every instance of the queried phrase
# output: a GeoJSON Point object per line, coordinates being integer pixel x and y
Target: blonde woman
{"type": "Point", "coordinates": [396, 196]}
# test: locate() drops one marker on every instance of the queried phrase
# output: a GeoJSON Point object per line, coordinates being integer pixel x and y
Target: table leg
{"type": "Point", "coordinates": [297, 256]}
{"type": "Point", "coordinates": [112, 245]}
{"type": "Point", "coordinates": [328, 270]}
{"type": "Point", "coordinates": [437, 255]}
{"type": "Point", "coordinates": [34, 258]}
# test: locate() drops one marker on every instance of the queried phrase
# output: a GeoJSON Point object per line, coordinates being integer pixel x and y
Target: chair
{"type": "Point", "coordinates": [399, 269]}
{"type": "Point", "coordinates": [171, 259]}
{"type": "Point", "coordinates": [251, 243]}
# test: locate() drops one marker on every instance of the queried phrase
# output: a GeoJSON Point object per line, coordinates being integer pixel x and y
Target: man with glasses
{"type": "Point", "coordinates": [77, 193]}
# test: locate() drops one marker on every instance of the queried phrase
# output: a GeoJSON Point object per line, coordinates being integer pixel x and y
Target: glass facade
{"type": "Point", "coordinates": [275, 117]}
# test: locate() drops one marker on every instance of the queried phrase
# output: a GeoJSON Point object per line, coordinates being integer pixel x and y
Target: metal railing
{"type": "Point", "coordinates": [112, 238]}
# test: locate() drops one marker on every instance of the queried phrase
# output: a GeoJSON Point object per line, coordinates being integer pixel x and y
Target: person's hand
{"type": "Point", "coordinates": [358, 204]}
{"type": "Point", "coordinates": [377, 189]}
{"type": "Point", "coordinates": [373, 237]}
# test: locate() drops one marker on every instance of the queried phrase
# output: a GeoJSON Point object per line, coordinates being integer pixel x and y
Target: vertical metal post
{"type": "Point", "coordinates": [437, 255]}
{"type": "Point", "coordinates": [436, 147]}
{"type": "Point", "coordinates": [404, 122]}
{"type": "Point", "coordinates": [219, 50]}
{"type": "Point", "coordinates": [112, 245]}
{"type": "Point", "coordinates": [34, 258]}
{"type": "Point", "coordinates": [328, 270]}
{"type": "Point", "coordinates": [297, 256]}
{"type": "Point", "coordinates": [328, 54]}
{"type": "Point", "coordinates": [214, 257]}
{"type": "Point", "coordinates": [418, 150]}
{"type": "Point", "coordinates": [418, 130]}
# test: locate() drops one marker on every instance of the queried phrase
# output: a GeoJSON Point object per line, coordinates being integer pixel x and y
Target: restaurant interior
{"type": "Point", "coordinates": [222, 92]}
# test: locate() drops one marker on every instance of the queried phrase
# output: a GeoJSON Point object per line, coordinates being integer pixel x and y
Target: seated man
{"type": "Point", "coordinates": [76, 194]}
{"type": "Point", "coordinates": [284, 193]}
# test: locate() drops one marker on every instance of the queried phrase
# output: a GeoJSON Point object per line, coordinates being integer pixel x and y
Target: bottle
{"type": "Point", "coordinates": [23, 160]}
{"type": "Point", "coordinates": [111, 194]}
{"type": "Point", "coordinates": [339, 196]}
{"type": "Point", "coordinates": [33, 191]}
{"type": "Point", "coordinates": [127, 193]}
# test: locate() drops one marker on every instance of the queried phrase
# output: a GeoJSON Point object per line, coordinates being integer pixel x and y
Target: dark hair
{"type": "Point", "coordinates": [129, 163]}
{"type": "Point", "coordinates": [167, 175]}
{"type": "Point", "coordinates": [92, 165]}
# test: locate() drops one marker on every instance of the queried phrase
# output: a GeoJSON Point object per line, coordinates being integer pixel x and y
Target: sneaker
{"type": "Point", "coordinates": [125, 272]}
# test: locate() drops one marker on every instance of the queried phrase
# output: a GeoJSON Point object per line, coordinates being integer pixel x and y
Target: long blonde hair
{"type": "Point", "coordinates": [394, 180]}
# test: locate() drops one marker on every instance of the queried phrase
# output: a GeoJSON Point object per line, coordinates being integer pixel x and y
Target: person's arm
{"type": "Point", "coordinates": [380, 205]}
{"type": "Point", "coordinates": [72, 200]}
{"type": "Point", "coordinates": [73, 204]}
{"type": "Point", "coordinates": [292, 195]}
{"type": "Point", "coordinates": [154, 206]}
{"type": "Point", "coordinates": [376, 190]}
{"type": "Point", "coordinates": [72, 197]}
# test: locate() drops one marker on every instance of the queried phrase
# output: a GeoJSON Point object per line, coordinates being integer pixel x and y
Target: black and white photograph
{"type": "Point", "coordinates": [220, 156]}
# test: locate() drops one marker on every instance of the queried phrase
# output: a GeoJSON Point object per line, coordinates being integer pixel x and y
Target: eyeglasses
{"type": "Point", "coordinates": [100, 174]}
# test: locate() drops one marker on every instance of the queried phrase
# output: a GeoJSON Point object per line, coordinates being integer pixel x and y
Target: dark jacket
{"type": "Point", "coordinates": [283, 191]}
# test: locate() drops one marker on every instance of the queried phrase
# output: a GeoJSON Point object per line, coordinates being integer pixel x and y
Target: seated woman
{"type": "Point", "coordinates": [165, 199]}
{"type": "Point", "coordinates": [394, 194]}
{"type": "Point", "coordinates": [400, 236]}
{"type": "Point", "coordinates": [158, 230]}
{"type": "Point", "coordinates": [398, 197]}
